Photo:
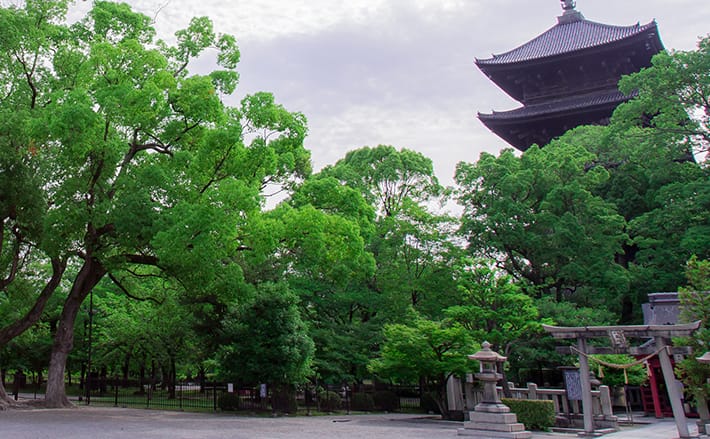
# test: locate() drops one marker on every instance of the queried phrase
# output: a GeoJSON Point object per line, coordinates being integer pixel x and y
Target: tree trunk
{"type": "Point", "coordinates": [125, 368]}
{"type": "Point", "coordinates": [5, 400]}
{"type": "Point", "coordinates": [87, 278]}
{"type": "Point", "coordinates": [442, 401]}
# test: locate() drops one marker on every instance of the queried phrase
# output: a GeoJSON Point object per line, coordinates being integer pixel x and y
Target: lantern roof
{"type": "Point", "coordinates": [487, 355]}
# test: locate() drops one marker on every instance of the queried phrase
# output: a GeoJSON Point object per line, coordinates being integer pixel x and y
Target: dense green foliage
{"type": "Point", "coordinates": [695, 305]}
{"type": "Point", "coordinates": [266, 341]}
{"type": "Point", "coordinates": [424, 349]}
{"type": "Point", "coordinates": [535, 414]}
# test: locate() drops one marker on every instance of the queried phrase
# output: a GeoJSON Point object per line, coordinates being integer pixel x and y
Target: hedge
{"type": "Point", "coordinates": [536, 414]}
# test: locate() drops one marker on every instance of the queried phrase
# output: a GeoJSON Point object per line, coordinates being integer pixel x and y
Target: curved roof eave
{"type": "Point", "coordinates": [565, 38]}
{"type": "Point", "coordinates": [561, 106]}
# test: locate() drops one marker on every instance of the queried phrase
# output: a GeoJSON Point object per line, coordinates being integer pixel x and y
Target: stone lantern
{"type": "Point", "coordinates": [488, 374]}
{"type": "Point", "coordinates": [491, 418]}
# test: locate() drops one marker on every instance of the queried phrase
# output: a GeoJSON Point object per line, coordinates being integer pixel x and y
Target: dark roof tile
{"type": "Point", "coordinates": [566, 37]}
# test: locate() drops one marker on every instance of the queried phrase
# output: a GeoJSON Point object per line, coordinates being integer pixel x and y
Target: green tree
{"type": "Point", "coordinates": [673, 103]}
{"type": "Point", "coordinates": [315, 241]}
{"type": "Point", "coordinates": [140, 163]}
{"type": "Point", "coordinates": [266, 341]}
{"type": "Point", "coordinates": [424, 349]}
{"type": "Point", "coordinates": [386, 177]}
{"type": "Point", "coordinates": [411, 244]}
{"type": "Point", "coordinates": [655, 180]}
{"type": "Point", "coordinates": [616, 372]}
{"type": "Point", "coordinates": [493, 307]}
{"type": "Point", "coordinates": [695, 305]}
{"type": "Point", "coordinates": [389, 193]}
{"type": "Point", "coordinates": [538, 217]}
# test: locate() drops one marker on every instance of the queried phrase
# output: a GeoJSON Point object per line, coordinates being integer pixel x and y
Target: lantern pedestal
{"type": "Point", "coordinates": [491, 419]}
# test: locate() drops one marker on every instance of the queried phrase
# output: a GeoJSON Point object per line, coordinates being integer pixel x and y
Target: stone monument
{"type": "Point", "coordinates": [491, 419]}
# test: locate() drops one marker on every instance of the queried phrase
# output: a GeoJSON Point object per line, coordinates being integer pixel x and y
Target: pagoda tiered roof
{"type": "Point", "coordinates": [566, 77]}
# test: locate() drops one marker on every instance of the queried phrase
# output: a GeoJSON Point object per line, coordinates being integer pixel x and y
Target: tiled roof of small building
{"type": "Point", "coordinates": [565, 37]}
{"type": "Point", "coordinates": [559, 105]}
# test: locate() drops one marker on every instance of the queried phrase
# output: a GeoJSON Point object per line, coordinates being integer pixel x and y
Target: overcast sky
{"type": "Point", "coordinates": [398, 72]}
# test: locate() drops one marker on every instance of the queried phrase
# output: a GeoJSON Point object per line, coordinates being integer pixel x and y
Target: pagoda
{"type": "Point", "coordinates": [566, 77]}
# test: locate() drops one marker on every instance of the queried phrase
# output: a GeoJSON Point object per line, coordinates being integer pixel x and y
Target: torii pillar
{"type": "Point", "coordinates": [661, 335]}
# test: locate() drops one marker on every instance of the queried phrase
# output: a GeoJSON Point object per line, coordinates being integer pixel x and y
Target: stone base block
{"type": "Point", "coordinates": [487, 434]}
{"type": "Point", "coordinates": [494, 427]}
{"type": "Point", "coordinates": [493, 418]}
{"type": "Point", "coordinates": [490, 407]}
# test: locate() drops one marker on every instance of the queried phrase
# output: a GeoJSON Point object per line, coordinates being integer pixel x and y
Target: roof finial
{"type": "Point", "coordinates": [568, 5]}
{"type": "Point", "coordinates": [571, 14]}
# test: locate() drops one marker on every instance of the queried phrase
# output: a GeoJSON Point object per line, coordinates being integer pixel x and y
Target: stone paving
{"type": "Point", "coordinates": [119, 423]}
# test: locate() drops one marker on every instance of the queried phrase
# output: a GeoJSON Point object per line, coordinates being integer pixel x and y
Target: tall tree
{"type": "Point", "coordinates": [410, 246]}
{"type": "Point", "coordinates": [266, 341]}
{"type": "Point", "coordinates": [538, 217]}
{"type": "Point", "coordinates": [652, 151]}
{"type": "Point", "coordinates": [140, 163]}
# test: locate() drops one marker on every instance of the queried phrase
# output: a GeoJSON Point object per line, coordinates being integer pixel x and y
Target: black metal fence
{"type": "Point", "coordinates": [184, 396]}
{"type": "Point", "coordinates": [214, 397]}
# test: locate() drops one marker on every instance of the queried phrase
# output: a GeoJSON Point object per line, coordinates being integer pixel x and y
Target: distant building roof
{"type": "Point", "coordinates": [568, 35]}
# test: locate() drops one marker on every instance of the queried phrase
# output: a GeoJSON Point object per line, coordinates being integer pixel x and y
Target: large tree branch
{"type": "Point", "coordinates": [29, 73]}
{"type": "Point", "coordinates": [141, 259]}
{"type": "Point", "coordinates": [128, 294]}
{"type": "Point", "coordinates": [18, 327]}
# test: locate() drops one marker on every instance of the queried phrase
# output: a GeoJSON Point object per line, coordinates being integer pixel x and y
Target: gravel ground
{"type": "Point", "coordinates": [117, 423]}
{"type": "Point", "coordinates": [120, 423]}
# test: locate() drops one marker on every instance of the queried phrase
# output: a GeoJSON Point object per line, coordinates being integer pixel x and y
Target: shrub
{"type": "Point", "coordinates": [362, 402]}
{"type": "Point", "coordinates": [386, 400]}
{"type": "Point", "coordinates": [228, 402]}
{"type": "Point", "coordinates": [536, 414]}
{"type": "Point", "coordinates": [329, 401]}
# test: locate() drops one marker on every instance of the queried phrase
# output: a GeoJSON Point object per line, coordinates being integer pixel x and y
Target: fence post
{"type": "Point", "coordinates": [214, 396]}
{"type": "Point", "coordinates": [532, 391]}
{"type": "Point", "coordinates": [180, 396]}
{"type": "Point", "coordinates": [115, 392]}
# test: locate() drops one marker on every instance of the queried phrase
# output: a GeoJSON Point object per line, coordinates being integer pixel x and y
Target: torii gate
{"type": "Point", "coordinates": [662, 344]}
